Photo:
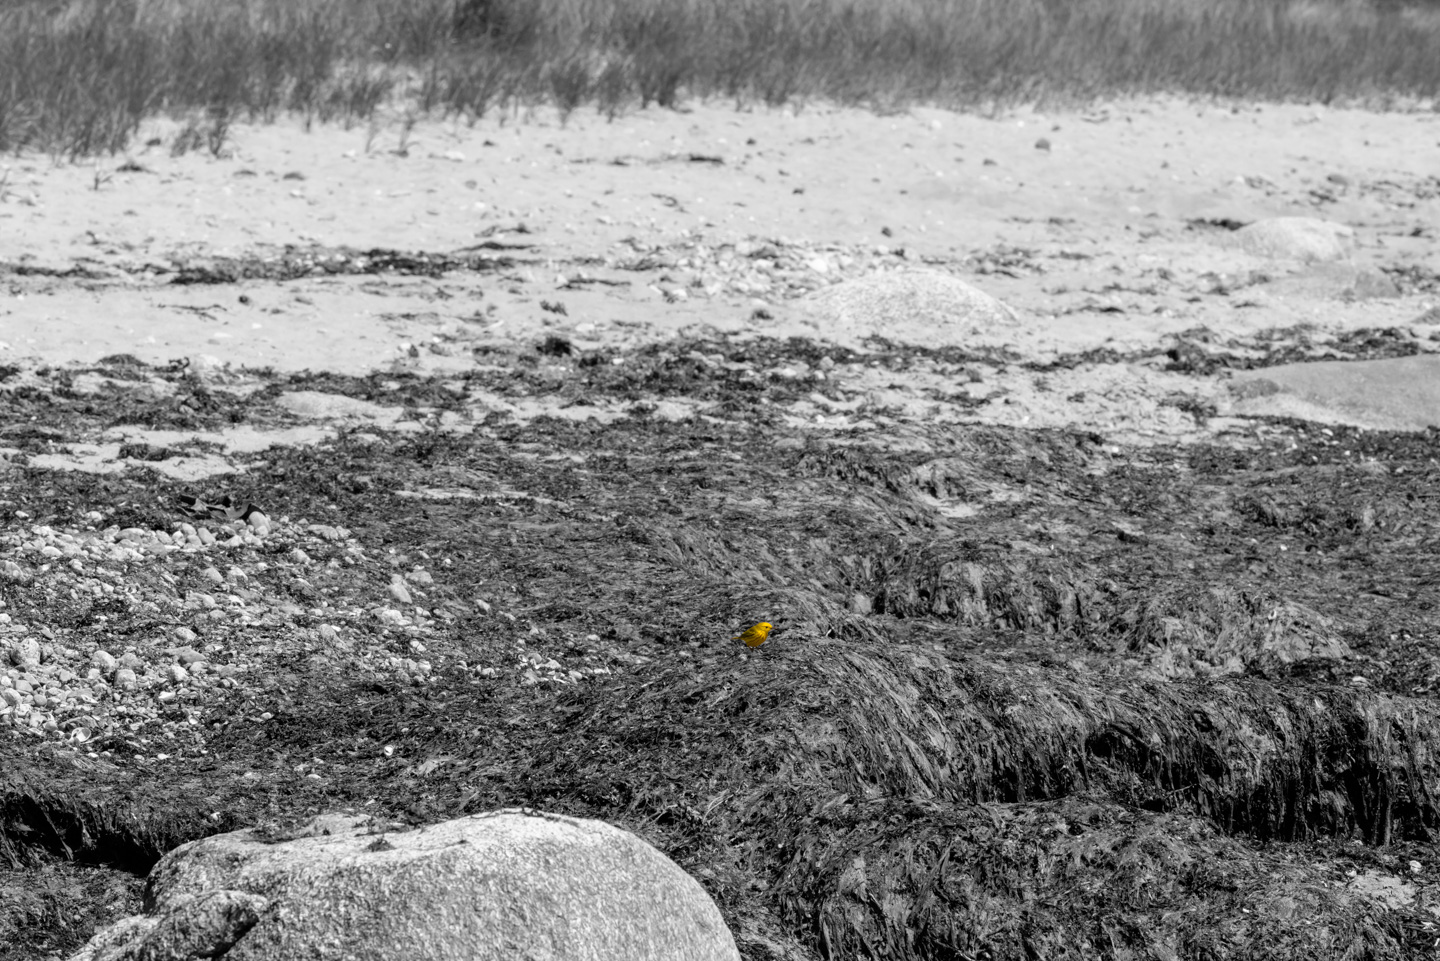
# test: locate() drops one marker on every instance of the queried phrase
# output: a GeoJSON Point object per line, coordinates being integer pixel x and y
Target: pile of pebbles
{"type": "Point", "coordinates": [88, 686]}
{"type": "Point", "coordinates": [776, 269]}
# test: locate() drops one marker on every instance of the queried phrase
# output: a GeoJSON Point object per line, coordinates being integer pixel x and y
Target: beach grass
{"type": "Point", "coordinates": [78, 78]}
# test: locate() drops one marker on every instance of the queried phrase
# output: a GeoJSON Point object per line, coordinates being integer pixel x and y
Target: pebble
{"type": "Point", "coordinates": [104, 662]}
{"type": "Point", "coordinates": [125, 679]}
{"type": "Point", "coordinates": [398, 590]}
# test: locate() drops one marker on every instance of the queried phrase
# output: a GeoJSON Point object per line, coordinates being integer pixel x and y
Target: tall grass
{"type": "Point", "coordinates": [79, 77]}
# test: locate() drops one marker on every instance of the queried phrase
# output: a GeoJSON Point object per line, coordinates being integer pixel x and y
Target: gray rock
{"type": "Point", "coordinates": [491, 887]}
{"type": "Point", "coordinates": [317, 404]}
{"type": "Point", "coordinates": [104, 662]}
{"type": "Point", "coordinates": [125, 679]}
{"type": "Point", "coordinates": [26, 654]}
{"type": "Point", "coordinates": [205, 366]}
{"type": "Point", "coordinates": [1337, 281]}
{"type": "Point", "coordinates": [1295, 238]}
{"type": "Point", "coordinates": [1400, 393]}
{"type": "Point", "coordinates": [910, 306]}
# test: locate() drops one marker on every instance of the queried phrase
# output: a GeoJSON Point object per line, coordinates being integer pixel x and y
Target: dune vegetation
{"type": "Point", "coordinates": [78, 78]}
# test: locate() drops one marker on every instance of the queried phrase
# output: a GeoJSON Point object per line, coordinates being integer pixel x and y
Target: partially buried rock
{"type": "Point", "coordinates": [909, 306]}
{"type": "Point", "coordinates": [492, 887]}
{"type": "Point", "coordinates": [1336, 281]}
{"type": "Point", "coordinates": [1295, 238]}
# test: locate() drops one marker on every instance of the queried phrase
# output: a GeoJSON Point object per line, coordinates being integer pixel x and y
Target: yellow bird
{"type": "Point", "coordinates": [755, 636]}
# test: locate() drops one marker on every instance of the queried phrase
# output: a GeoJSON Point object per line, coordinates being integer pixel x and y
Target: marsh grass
{"type": "Point", "coordinates": [78, 78]}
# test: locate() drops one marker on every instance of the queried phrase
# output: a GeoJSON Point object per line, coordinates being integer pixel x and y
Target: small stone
{"type": "Point", "coordinates": [329, 632]}
{"type": "Point", "coordinates": [299, 556]}
{"type": "Point", "coordinates": [211, 574]}
{"type": "Point", "coordinates": [1043, 144]}
{"type": "Point", "coordinates": [185, 635]}
{"type": "Point", "coordinates": [125, 679]}
{"type": "Point", "coordinates": [398, 590]}
{"type": "Point", "coordinates": [186, 655]}
{"type": "Point", "coordinates": [421, 577]}
{"type": "Point", "coordinates": [11, 696]}
{"type": "Point", "coordinates": [104, 662]}
{"type": "Point", "coordinates": [205, 366]}
{"type": "Point", "coordinates": [131, 661]}
{"type": "Point", "coordinates": [259, 522]}
{"type": "Point", "coordinates": [176, 674]}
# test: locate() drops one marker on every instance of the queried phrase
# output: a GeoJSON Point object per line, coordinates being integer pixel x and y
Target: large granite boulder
{"type": "Point", "coordinates": [502, 886]}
